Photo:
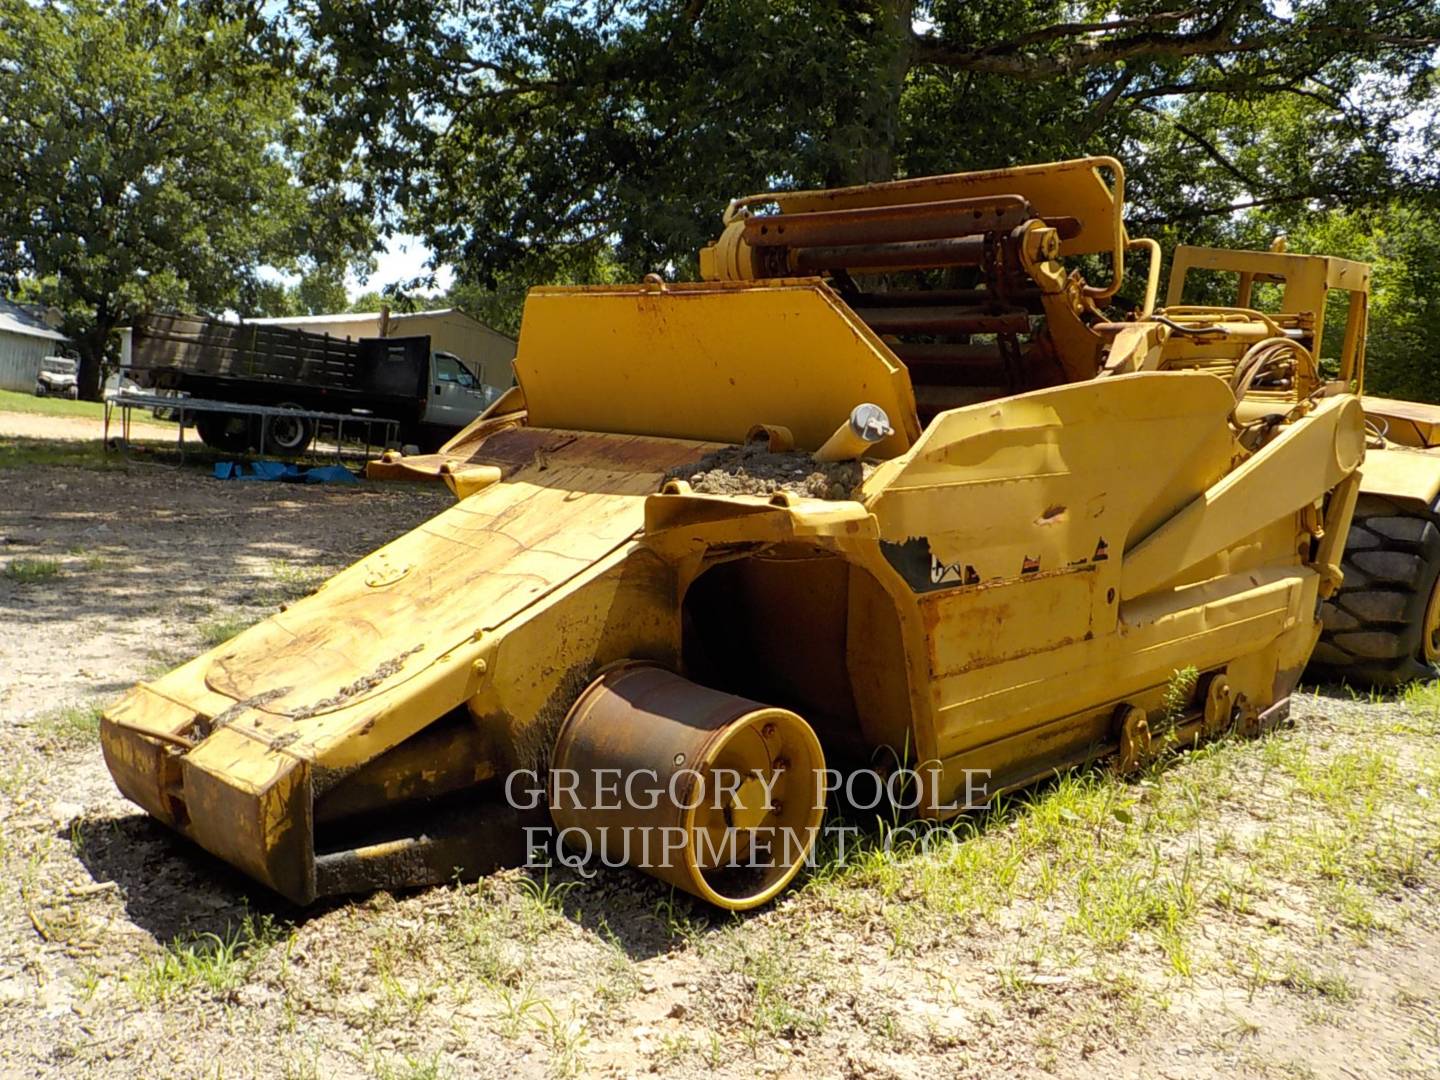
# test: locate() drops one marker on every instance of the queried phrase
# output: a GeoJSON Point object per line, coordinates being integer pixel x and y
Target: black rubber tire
{"type": "Point", "coordinates": [286, 437]}
{"type": "Point", "coordinates": [1373, 627]}
{"type": "Point", "coordinates": [227, 432]}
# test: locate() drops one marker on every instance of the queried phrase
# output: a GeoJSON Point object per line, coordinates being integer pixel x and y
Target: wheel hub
{"type": "Point", "coordinates": [1430, 635]}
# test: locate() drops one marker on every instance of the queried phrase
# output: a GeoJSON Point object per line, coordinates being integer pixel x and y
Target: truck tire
{"type": "Point", "coordinates": [285, 435]}
{"type": "Point", "coordinates": [1382, 627]}
{"type": "Point", "coordinates": [226, 432]}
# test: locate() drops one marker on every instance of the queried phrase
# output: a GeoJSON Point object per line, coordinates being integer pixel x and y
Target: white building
{"type": "Point", "coordinates": [488, 353]}
{"type": "Point", "coordinates": [25, 340]}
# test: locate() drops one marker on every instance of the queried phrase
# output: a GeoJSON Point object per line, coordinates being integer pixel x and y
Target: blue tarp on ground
{"type": "Point", "coordinates": [279, 470]}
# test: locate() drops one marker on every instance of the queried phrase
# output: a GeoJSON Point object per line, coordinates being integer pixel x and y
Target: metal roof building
{"type": "Point", "coordinates": [25, 340]}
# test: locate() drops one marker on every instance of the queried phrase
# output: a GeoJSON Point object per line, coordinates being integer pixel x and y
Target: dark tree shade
{"type": "Point", "coordinates": [530, 138]}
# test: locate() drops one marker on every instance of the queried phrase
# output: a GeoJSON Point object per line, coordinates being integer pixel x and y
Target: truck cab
{"type": "Point", "coordinates": [456, 394]}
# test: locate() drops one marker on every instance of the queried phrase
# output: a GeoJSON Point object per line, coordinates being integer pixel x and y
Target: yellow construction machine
{"type": "Point", "coordinates": [1382, 627]}
{"type": "Point", "coordinates": [892, 487]}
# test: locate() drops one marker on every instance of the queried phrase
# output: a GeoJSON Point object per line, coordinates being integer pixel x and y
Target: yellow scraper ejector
{"type": "Point", "coordinates": [894, 484]}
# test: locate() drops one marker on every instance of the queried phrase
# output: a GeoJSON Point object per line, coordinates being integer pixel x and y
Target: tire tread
{"type": "Point", "coordinates": [1372, 626]}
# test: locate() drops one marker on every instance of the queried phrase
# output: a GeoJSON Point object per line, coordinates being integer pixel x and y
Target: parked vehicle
{"type": "Point", "coordinates": [58, 377]}
{"type": "Point", "coordinates": [431, 394]}
{"type": "Point", "coordinates": [731, 545]}
{"type": "Point", "coordinates": [118, 382]}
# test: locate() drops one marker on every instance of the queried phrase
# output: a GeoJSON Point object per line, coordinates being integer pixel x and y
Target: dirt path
{"type": "Point", "coordinates": [76, 428]}
{"type": "Point", "coordinates": [1259, 909]}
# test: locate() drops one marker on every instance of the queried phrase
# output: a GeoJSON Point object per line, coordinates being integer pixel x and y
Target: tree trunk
{"type": "Point", "coordinates": [864, 140]}
{"type": "Point", "coordinates": [91, 346]}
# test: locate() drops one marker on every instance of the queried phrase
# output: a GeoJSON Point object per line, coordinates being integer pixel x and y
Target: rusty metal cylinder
{"type": "Point", "coordinates": [716, 794]}
{"type": "Point", "coordinates": [889, 224]}
{"type": "Point", "coordinates": [908, 255]}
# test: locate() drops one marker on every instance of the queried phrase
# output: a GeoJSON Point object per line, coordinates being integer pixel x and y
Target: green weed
{"type": "Point", "coordinates": [411, 1068]}
{"type": "Point", "coordinates": [206, 961]}
{"type": "Point", "coordinates": [28, 571]}
{"type": "Point", "coordinates": [216, 632]}
{"type": "Point", "coordinates": [73, 725]}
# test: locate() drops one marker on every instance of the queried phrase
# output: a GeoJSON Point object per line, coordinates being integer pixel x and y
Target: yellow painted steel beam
{"type": "Point", "coordinates": [1296, 468]}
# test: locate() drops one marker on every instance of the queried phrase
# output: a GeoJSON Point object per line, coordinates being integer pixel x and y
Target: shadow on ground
{"type": "Point", "coordinates": [171, 888]}
{"type": "Point", "coordinates": [159, 537]}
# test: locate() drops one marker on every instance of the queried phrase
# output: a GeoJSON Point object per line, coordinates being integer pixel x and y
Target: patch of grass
{"type": "Point", "coordinates": [480, 934]}
{"type": "Point", "coordinates": [1422, 697]}
{"type": "Point", "coordinates": [206, 961]}
{"type": "Point", "coordinates": [515, 1009]}
{"type": "Point", "coordinates": [1330, 985]}
{"type": "Point", "coordinates": [1320, 827]}
{"type": "Point", "coordinates": [544, 898]}
{"type": "Point", "coordinates": [402, 996]}
{"type": "Point", "coordinates": [159, 662]}
{"type": "Point", "coordinates": [291, 582]}
{"type": "Point", "coordinates": [74, 724]}
{"type": "Point", "coordinates": [1353, 777]}
{"type": "Point", "coordinates": [620, 980]}
{"type": "Point", "coordinates": [300, 1068]}
{"type": "Point", "coordinates": [22, 453]}
{"type": "Point", "coordinates": [672, 1050]}
{"type": "Point", "coordinates": [90, 560]}
{"type": "Point", "coordinates": [782, 980]}
{"type": "Point", "coordinates": [215, 632]}
{"type": "Point", "coordinates": [1370, 695]}
{"type": "Point", "coordinates": [677, 914]}
{"type": "Point", "coordinates": [15, 401]}
{"type": "Point", "coordinates": [498, 925]}
{"type": "Point", "coordinates": [1179, 692]}
{"type": "Point", "coordinates": [565, 1037]}
{"type": "Point", "coordinates": [1117, 899]}
{"type": "Point", "coordinates": [14, 779]}
{"type": "Point", "coordinates": [1349, 906]}
{"type": "Point", "coordinates": [411, 1068]}
{"type": "Point", "coordinates": [28, 571]}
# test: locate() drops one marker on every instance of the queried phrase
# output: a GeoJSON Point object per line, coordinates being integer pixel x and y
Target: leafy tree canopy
{"type": "Point", "coordinates": [547, 139]}
{"type": "Point", "coordinates": [1399, 241]}
{"type": "Point", "coordinates": [319, 292]}
{"type": "Point", "coordinates": [154, 155]}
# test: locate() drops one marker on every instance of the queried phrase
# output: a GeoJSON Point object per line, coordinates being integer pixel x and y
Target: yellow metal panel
{"type": "Point", "coordinates": [707, 362]}
{"type": "Point", "coordinates": [623, 609]}
{"type": "Point", "coordinates": [1051, 474]}
{"type": "Point", "coordinates": [1410, 423]}
{"type": "Point", "coordinates": [372, 656]}
{"type": "Point", "coordinates": [250, 806]}
{"type": "Point", "coordinates": [146, 769]}
{"type": "Point", "coordinates": [1203, 625]}
{"type": "Point", "coordinates": [1400, 472]}
{"type": "Point", "coordinates": [971, 629]}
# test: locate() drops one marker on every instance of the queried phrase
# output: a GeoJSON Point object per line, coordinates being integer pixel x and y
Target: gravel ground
{"type": "Point", "coordinates": [1252, 909]}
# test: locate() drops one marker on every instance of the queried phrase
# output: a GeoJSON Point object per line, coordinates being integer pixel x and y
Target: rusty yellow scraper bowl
{"type": "Point", "coordinates": [714, 793]}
